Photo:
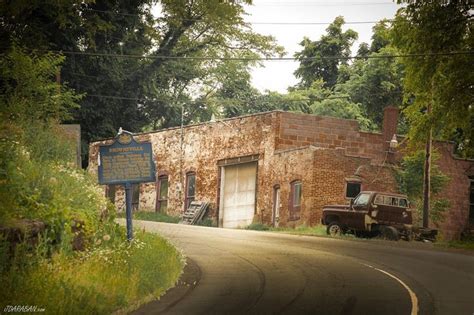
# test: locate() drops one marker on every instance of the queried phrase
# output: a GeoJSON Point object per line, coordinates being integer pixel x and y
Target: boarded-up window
{"type": "Point", "coordinates": [162, 194]}
{"type": "Point", "coordinates": [295, 200]}
{"type": "Point", "coordinates": [352, 189]}
{"type": "Point", "coordinates": [190, 188]}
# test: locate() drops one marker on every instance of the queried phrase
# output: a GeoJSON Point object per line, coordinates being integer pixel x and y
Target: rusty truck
{"type": "Point", "coordinates": [374, 213]}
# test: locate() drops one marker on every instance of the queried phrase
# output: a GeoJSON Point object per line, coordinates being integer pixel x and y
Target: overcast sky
{"type": "Point", "coordinates": [278, 75]}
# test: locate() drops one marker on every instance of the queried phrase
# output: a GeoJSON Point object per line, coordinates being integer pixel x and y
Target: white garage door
{"type": "Point", "coordinates": [238, 194]}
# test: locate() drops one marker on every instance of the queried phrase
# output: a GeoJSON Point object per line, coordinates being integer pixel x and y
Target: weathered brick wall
{"type": "Point", "coordinates": [198, 148]}
{"type": "Point", "coordinates": [288, 166]}
{"type": "Point", "coordinates": [332, 170]}
{"type": "Point", "coordinates": [298, 130]}
{"type": "Point", "coordinates": [456, 219]}
{"type": "Point", "coordinates": [322, 152]}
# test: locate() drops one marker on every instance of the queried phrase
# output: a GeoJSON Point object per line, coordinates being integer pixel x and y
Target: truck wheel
{"type": "Point", "coordinates": [390, 233]}
{"type": "Point", "coordinates": [334, 229]}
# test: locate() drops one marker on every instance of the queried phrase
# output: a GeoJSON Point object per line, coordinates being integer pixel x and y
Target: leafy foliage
{"type": "Point", "coordinates": [137, 93]}
{"type": "Point", "coordinates": [410, 181]}
{"type": "Point", "coordinates": [443, 81]}
{"type": "Point", "coordinates": [321, 59]}
{"type": "Point", "coordinates": [39, 182]}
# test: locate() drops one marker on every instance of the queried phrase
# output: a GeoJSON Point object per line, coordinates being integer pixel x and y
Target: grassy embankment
{"type": "Point", "coordinates": [78, 260]}
{"type": "Point", "coordinates": [113, 275]}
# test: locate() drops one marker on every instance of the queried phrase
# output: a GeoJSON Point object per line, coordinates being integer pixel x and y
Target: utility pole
{"type": "Point", "coordinates": [427, 174]}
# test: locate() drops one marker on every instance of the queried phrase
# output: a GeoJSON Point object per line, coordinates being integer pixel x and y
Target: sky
{"type": "Point", "coordinates": [278, 75]}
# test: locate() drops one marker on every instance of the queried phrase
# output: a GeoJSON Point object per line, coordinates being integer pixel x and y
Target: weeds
{"type": "Point", "coordinates": [114, 275]}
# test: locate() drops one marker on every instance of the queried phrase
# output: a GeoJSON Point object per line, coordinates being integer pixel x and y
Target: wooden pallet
{"type": "Point", "coordinates": [194, 213]}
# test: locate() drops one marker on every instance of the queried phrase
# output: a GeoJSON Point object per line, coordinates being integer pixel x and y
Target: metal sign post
{"type": "Point", "coordinates": [128, 210]}
{"type": "Point", "coordinates": [126, 162]}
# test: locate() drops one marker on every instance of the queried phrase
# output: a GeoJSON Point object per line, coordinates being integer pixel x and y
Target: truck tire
{"type": "Point", "coordinates": [334, 229]}
{"type": "Point", "coordinates": [390, 233]}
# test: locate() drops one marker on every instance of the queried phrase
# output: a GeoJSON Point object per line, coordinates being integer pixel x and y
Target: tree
{"type": "Point", "coordinates": [321, 59]}
{"type": "Point", "coordinates": [409, 176]}
{"type": "Point", "coordinates": [439, 85]}
{"type": "Point", "coordinates": [106, 38]}
{"type": "Point", "coordinates": [443, 82]}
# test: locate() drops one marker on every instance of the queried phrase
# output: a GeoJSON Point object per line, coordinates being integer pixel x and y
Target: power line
{"type": "Point", "coordinates": [80, 53]}
{"type": "Point", "coordinates": [321, 4]}
{"type": "Point", "coordinates": [251, 22]}
{"type": "Point", "coordinates": [283, 100]}
{"type": "Point", "coordinates": [312, 23]}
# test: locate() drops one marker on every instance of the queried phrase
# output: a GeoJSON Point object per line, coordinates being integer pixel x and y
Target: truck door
{"type": "Point", "coordinates": [358, 211]}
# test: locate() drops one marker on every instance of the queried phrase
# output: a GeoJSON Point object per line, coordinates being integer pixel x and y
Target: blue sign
{"type": "Point", "coordinates": [126, 161]}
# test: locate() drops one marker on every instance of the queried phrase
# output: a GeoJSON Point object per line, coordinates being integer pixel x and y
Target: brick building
{"type": "Point", "coordinates": [281, 168]}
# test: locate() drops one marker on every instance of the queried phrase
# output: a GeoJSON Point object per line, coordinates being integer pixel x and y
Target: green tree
{"type": "Point", "coordinates": [410, 180]}
{"type": "Point", "coordinates": [374, 82]}
{"type": "Point", "coordinates": [441, 82]}
{"type": "Point", "coordinates": [131, 92]}
{"type": "Point", "coordinates": [321, 59]}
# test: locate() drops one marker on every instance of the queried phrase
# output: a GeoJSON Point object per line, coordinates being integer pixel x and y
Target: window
{"type": "Point", "coordinates": [190, 188]}
{"type": "Point", "coordinates": [135, 196]}
{"type": "Point", "coordinates": [471, 202]}
{"type": "Point", "coordinates": [162, 194]}
{"type": "Point", "coordinates": [391, 201]}
{"type": "Point", "coordinates": [352, 189]}
{"type": "Point", "coordinates": [295, 200]}
{"type": "Point", "coordinates": [362, 200]}
{"type": "Point", "coordinates": [403, 203]}
{"type": "Point", "coordinates": [110, 193]}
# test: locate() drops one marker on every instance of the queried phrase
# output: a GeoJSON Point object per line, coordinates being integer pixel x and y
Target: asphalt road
{"type": "Point", "coordinates": [249, 272]}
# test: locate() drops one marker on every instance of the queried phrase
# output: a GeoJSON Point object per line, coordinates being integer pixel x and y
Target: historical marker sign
{"type": "Point", "coordinates": [126, 161]}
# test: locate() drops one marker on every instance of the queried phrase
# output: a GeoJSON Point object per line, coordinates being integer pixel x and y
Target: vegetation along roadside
{"type": "Point", "coordinates": [60, 249]}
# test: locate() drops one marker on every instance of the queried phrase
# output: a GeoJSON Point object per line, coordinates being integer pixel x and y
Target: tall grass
{"type": "Point", "coordinates": [99, 281]}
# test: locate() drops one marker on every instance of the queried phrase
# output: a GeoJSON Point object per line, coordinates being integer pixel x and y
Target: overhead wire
{"type": "Point", "coordinates": [417, 55]}
{"type": "Point", "coordinates": [251, 22]}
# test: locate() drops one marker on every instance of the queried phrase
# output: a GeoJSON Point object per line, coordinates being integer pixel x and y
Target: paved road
{"type": "Point", "coordinates": [249, 272]}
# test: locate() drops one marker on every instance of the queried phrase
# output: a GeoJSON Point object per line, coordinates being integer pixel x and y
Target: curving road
{"type": "Point", "coordinates": [249, 272]}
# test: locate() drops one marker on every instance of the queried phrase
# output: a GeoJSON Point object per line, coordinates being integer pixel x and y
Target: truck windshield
{"type": "Point", "coordinates": [362, 200]}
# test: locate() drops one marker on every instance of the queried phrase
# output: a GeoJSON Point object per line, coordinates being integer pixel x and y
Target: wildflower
{"type": "Point", "coordinates": [106, 237]}
{"type": "Point", "coordinates": [98, 242]}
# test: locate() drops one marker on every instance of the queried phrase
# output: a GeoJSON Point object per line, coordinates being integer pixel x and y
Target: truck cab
{"type": "Point", "coordinates": [371, 213]}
